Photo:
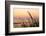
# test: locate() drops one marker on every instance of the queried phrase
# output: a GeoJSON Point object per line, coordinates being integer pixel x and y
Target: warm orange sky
{"type": "Point", "coordinates": [23, 12]}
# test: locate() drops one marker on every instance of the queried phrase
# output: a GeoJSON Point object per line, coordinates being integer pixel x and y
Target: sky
{"type": "Point", "coordinates": [22, 12]}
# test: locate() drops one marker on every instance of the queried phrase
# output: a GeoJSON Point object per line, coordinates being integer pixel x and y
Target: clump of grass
{"type": "Point", "coordinates": [34, 22]}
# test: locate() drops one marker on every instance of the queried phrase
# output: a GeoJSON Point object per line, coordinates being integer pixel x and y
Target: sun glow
{"type": "Point", "coordinates": [21, 12]}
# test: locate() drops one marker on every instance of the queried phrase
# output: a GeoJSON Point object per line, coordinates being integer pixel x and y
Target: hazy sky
{"type": "Point", "coordinates": [21, 12]}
